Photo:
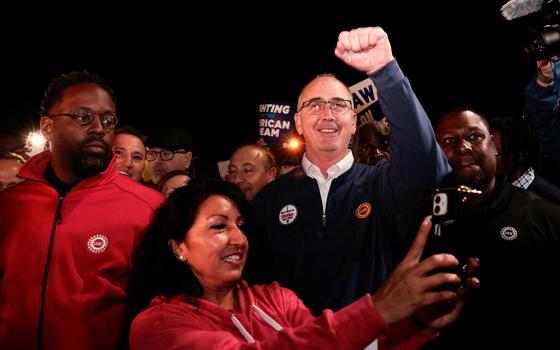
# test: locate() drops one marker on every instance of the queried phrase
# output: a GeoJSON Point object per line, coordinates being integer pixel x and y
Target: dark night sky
{"type": "Point", "coordinates": [210, 79]}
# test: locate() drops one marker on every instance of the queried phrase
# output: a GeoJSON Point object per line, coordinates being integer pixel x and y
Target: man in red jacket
{"type": "Point", "coordinates": [68, 230]}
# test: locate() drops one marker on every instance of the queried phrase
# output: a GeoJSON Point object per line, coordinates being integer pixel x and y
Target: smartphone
{"type": "Point", "coordinates": [449, 206]}
{"type": "Point", "coordinates": [449, 203]}
{"type": "Point", "coordinates": [439, 204]}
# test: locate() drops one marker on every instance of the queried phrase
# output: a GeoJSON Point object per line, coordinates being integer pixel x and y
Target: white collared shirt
{"type": "Point", "coordinates": [333, 172]}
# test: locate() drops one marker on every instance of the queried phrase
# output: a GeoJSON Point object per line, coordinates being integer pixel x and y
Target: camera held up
{"type": "Point", "coordinates": [543, 41]}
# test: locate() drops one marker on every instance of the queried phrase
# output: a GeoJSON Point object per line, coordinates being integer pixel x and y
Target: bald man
{"type": "Point", "coordinates": [251, 167]}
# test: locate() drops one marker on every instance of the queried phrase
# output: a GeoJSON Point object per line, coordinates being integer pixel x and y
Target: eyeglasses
{"type": "Point", "coordinates": [163, 155]}
{"type": "Point", "coordinates": [338, 106]}
{"type": "Point", "coordinates": [86, 116]}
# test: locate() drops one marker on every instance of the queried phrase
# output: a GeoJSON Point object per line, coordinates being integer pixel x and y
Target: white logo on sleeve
{"type": "Point", "coordinates": [97, 243]}
{"type": "Point", "coordinates": [508, 233]}
{"type": "Point", "coordinates": [287, 214]}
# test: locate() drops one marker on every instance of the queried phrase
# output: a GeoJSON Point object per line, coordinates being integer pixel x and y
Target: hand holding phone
{"type": "Point", "coordinates": [448, 206]}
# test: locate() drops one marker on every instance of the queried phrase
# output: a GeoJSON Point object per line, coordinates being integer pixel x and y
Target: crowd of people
{"type": "Point", "coordinates": [108, 240]}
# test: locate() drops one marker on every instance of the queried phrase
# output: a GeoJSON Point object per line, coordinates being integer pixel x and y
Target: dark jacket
{"type": "Point", "coordinates": [331, 259]}
{"type": "Point", "coordinates": [516, 236]}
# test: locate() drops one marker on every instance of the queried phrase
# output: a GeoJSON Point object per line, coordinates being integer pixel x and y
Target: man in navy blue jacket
{"type": "Point", "coordinates": [541, 107]}
{"type": "Point", "coordinates": [328, 228]}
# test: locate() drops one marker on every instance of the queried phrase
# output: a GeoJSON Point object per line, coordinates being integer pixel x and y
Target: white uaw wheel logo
{"type": "Point", "coordinates": [97, 243]}
{"type": "Point", "coordinates": [508, 233]}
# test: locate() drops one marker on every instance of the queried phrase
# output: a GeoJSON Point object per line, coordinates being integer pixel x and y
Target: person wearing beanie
{"type": "Point", "coordinates": [168, 149]}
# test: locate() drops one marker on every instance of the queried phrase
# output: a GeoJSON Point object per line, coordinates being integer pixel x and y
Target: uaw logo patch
{"type": "Point", "coordinates": [288, 214]}
{"type": "Point", "coordinates": [363, 210]}
{"type": "Point", "coordinates": [508, 233]}
{"type": "Point", "coordinates": [97, 243]}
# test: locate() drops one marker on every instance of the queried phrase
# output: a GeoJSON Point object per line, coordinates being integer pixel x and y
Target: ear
{"type": "Point", "coordinates": [297, 119]}
{"type": "Point", "coordinates": [174, 246]}
{"type": "Point", "coordinates": [493, 144]}
{"type": "Point", "coordinates": [271, 174]}
{"type": "Point", "coordinates": [47, 127]}
{"type": "Point", "coordinates": [354, 121]}
{"type": "Point", "coordinates": [188, 159]}
{"type": "Point", "coordinates": [177, 249]}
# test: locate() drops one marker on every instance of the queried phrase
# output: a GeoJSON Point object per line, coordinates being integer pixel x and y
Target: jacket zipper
{"type": "Point", "coordinates": [57, 220]}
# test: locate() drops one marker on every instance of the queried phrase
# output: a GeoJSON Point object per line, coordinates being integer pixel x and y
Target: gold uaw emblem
{"type": "Point", "coordinates": [363, 210]}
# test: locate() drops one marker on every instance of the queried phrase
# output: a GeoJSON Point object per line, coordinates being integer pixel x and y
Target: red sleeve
{"type": "Point", "coordinates": [405, 335]}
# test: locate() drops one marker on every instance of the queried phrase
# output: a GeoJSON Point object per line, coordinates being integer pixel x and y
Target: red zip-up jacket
{"type": "Point", "coordinates": [196, 324]}
{"type": "Point", "coordinates": [64, 261]}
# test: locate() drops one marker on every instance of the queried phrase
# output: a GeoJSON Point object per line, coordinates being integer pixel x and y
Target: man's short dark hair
{"type": "Point", "coordinates": [129, 130]}
{"type": "Point", "coordinates": [460, 109]}
{"type": "Point", "coordinates": [519, 139]}
{"type": "Point", "coordinates": [57, 86]}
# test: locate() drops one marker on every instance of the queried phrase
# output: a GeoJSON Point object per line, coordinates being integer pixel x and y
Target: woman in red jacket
{"type": "Point", "coordinates": [190, 267]}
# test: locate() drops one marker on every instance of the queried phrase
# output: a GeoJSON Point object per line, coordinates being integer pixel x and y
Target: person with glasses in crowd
{"type": "Point", "coordinates": [68, 230]}
{"type": "Point", "coordinates": [168, 149]}
{"type": "Point", "coordinates": [329, 226]}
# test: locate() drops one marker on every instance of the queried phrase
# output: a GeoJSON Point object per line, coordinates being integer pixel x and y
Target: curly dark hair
{"type": "Point", "coordinates": [520, 141]}
{"type": "Point", "coordinates": [156, 271]}
{"type": "Point", "coordinates": [57, 86]}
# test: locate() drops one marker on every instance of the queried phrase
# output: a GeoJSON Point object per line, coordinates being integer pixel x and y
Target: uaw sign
{"type": "Point", "coordinates": [366, 103]}
{"type": "Point", "coordinates": [276, 123]}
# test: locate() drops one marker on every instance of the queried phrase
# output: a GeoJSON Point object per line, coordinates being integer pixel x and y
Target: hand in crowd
{"type": "Point", "coordinates": [365, 49]}
{"type": "Point", "coordinates": [414, 287]}
{"type": "Point", "coordinates": [545, 67]}
{"type": "Point", "coordinates": [437, 316]}
{"type": "Point", "coordinates": [545, 71]}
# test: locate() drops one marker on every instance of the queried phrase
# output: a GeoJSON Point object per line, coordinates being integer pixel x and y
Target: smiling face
{"type": "Point", "coordinates": [248, 170]}
{"type": "Point", "coordinates": [465, 139]}
{"type": "Point", "coordinates": [215, 246]}
{"type": "Point", "coordinates": [327, 134]}
{"type": "Point", "coordinates": [130, 153]}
